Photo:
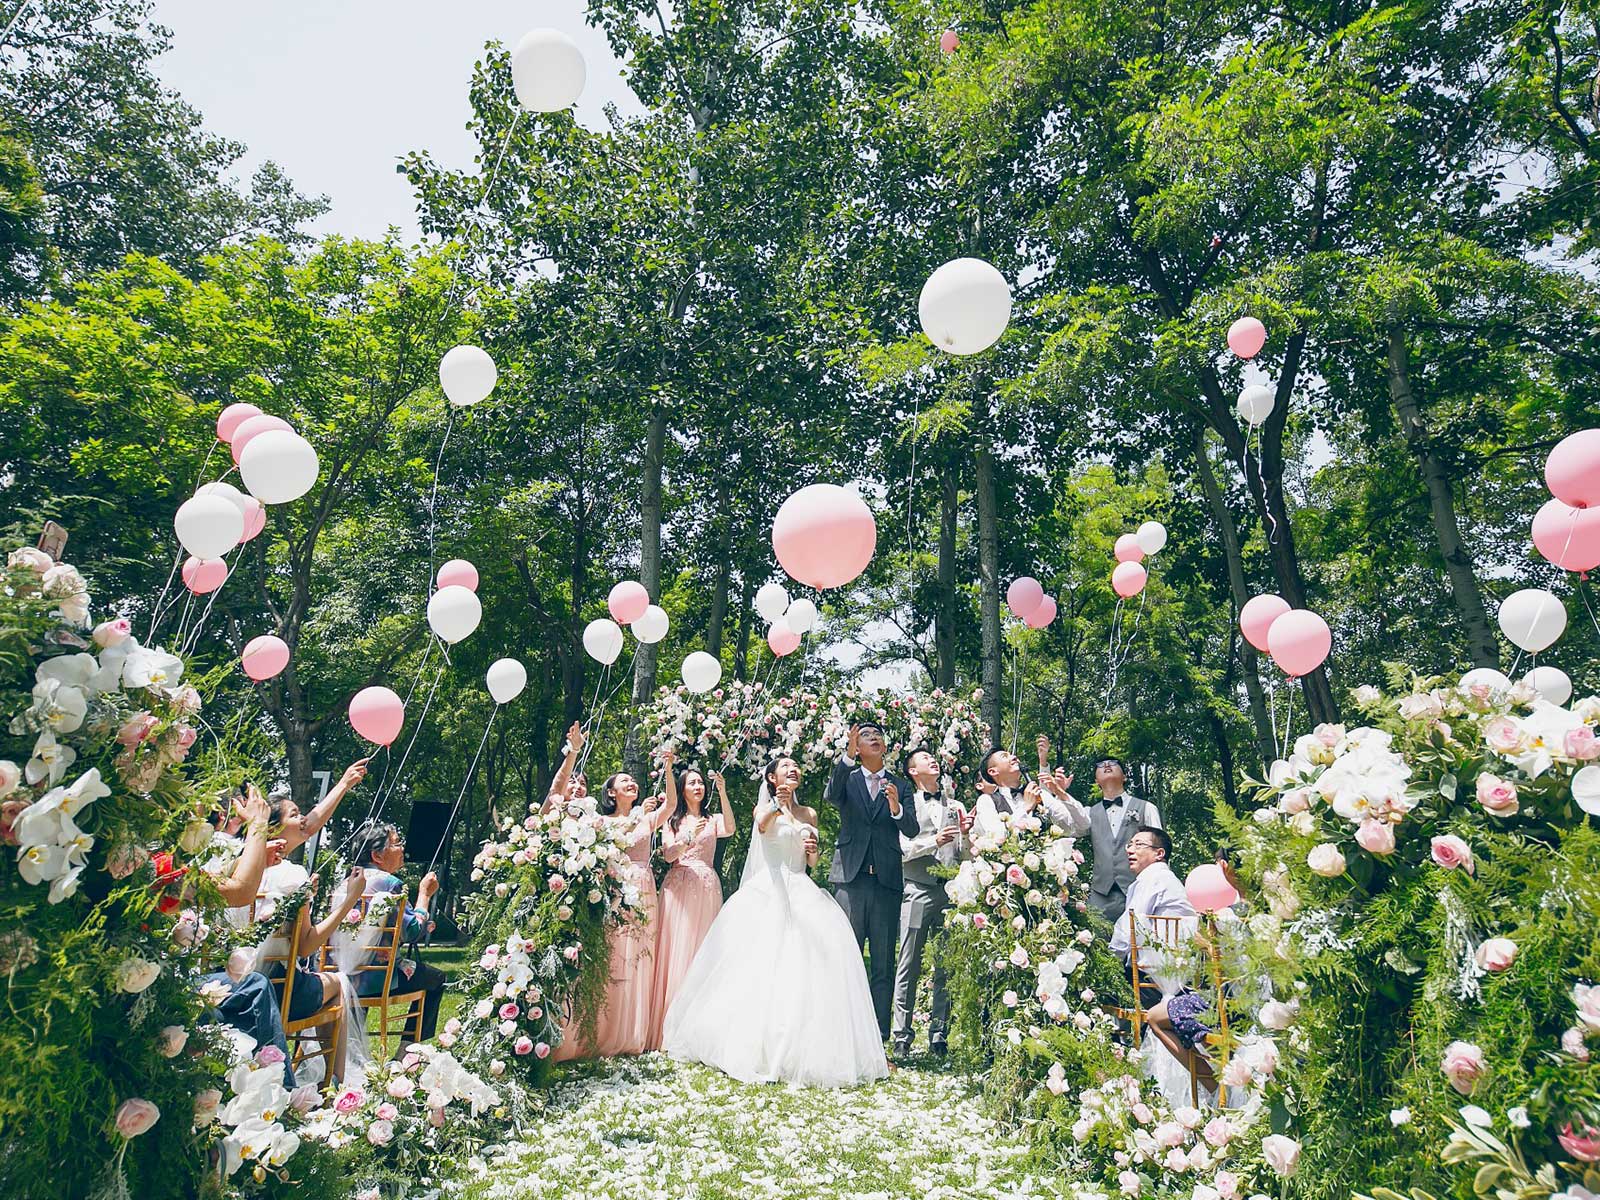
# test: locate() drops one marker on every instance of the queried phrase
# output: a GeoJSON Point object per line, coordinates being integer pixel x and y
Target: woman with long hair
{"type": "Point", "coordinates": [691, 894]}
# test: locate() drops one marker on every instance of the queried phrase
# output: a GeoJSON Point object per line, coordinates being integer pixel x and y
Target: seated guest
{"type": "Point", "coordinates": [299, 828]}
{"type": "Point", "coordinates": [380, 848]}
{"type": "Point", "coordinates": [1155, 892]}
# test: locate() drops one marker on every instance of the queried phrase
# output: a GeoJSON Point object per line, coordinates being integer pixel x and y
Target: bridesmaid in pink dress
{"type": "Point", "coordinates": [624, 1024]}
{"type": "Point", "coordinates": [691, 894]}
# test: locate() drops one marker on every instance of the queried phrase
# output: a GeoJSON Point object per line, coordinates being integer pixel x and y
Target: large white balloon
{"type": "Point", "coordinates": [701, 672]}
{"type": "Point", "coordinates": [547, 70]}
{"type": "Point", "coordinates": [228, 492]}
{"type": "Point", "coordinates": [208, 526]}
{"type": "Point", "coordinates": [1550, 682]}
{"type": "Point", "coordinates": [454, 612]}
{"type": "Point", "coordinates": [1532, 619]}
{"type": "Point", "coordinates": [602, 638]}
{"type": "Point", "coordinates": [278, 466]}
{"type": "Point", "coordinates": [505, 679]}
{"type": "Point", "coordinates": [965, 306]}
{"type": "Point", "coordinates": [653, 626]}
{"type": "Point", "coordinates": [1256, 403]}
{"type": "Point", "coordinates": [1152, 536]}
{"type": "Point", "coordinates": [772, 601]}
{"type": "Point", "coordinates": [802, 616]}
{"type": "Point", "coordinates": [467, 375]}
{"type": "Point", "coordinates": [1487, 677]}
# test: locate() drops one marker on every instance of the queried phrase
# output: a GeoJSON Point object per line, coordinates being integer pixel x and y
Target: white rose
{"type": "Point", "coordinates": [136, 974]}
{"type": "Point", "coordinates": [1282, 1154]}
{"type": "Point", "coordinates": [1326, 860]}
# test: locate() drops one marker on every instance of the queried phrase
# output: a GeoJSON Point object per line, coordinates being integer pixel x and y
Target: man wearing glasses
{"type": "Point", "coordinates": [1113, 819]}
{"type": "Point", "coordinates": [1156, 891]}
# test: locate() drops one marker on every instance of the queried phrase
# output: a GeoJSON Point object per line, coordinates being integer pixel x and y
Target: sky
{"type": "Point", "coordinates": [337, 91]}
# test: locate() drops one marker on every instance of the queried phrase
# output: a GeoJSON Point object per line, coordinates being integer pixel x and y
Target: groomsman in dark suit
{"type": "Point", "coordinates": [1114, 818]}
{"type": "Point", "coordinates": [866, 874]}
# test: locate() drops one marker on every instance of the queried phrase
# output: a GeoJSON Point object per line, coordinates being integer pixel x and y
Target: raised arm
{"type": "Point", "coordinates": [727, 827]}
{"type": "Point", "coordinates": [318, 816]}
{"type": "Point", "coordinates": [1060, 806]}
{"type": "Point", "coordinates": [834, 793]}
{"type": "Point", "coordinates": [314, 936]}
{"type": "Point", "coordinates": [663, 814]}
{"type": "Point", "coordinates": [244, 881]}
{"type": "Point", "coordinates": [569, 760]}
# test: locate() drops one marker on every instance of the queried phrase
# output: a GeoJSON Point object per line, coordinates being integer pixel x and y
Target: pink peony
{"type": "Point", "coordinates": [1375, 837]}
{"type": "Point", "coordinates": [349, 1100]}
{"type": "Point", "coordinates": [135, 1117]}
{"type": "Point", "coordinates": [1498, 796]}
{"type": "Point", "coordinates": [386, 1112]}
{"type": "Point", "coordinates": [1585, 1146]}
{"type": "Point", "coordinates": [523, 1045]}
{"type": "Point", "coordinates": [1463, 1065]}
{"type": "Point", "coordinates": [1496, 954]}
{"type": "Point", "coordinates": [111, 633]}
{"type": "Point", "coordinates": [1450, 852]}
{"type": "Point", "coordinates": [1581, 744]}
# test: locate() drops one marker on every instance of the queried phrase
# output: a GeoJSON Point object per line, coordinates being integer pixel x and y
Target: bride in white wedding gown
{"type": "Point", "coordinates": [778, 991]}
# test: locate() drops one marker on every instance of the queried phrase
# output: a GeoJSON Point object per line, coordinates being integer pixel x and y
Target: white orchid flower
{"type": "Point", "coordinates": [41, 863]}
{"type": "Point", "coordinates": [59, 707]}
{"type": "Point", "coordinates": [74, 670]}
{"type": "Point", "coordinates": [152, 668]}
{"type": "Point", "coordinates": [50, 760]}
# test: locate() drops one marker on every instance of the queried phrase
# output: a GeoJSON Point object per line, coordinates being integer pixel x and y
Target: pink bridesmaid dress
{"type": "Point", "coordinates": [691, 897]}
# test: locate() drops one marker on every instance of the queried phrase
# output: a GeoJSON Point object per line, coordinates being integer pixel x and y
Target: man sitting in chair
{"type": "Point", "coordinates": [381, 849]}
{"type": "Point", "coordinates": [1155, 892]}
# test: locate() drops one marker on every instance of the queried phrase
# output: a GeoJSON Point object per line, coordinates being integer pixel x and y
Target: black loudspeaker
{"type": "Point", "coordinates": [428, 818]}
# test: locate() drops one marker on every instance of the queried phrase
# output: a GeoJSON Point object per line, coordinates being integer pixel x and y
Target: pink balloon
{"type": "Point", "coordinates": [255, 518]}
{"type": "Point", "coordinates": [824, 535]}
{"type": "Point", "coordinates": [1043, 615]}
{"type": "Point", "coordinates": [1024, 596]}
{"type": "Point", "coordinates": [1568, 537]}
{"type": "Point", "coordinates": [1572, 472]}
{"type": "Point", "coordinates": [1246, 336]}
{"type": "Point", "coordinates": [781, 639]}
{"type": "Point", "coordinates": [230, 418]}
{"type": "Point", "coordinates": [949, 40]}
{"type": "Point", "coordinates": [627, 602]}
{"type": "Point", "coordinates": [1299, 641]}
{"type": "Point", "coordinates": [1128, 549]}
{"type": "Point", "coordinates": [250, 427]}
{"type": "Point", "coordinates": [1257, 616]}
{"type": "Point", "coordinates": [1209, 890]}
{"type": "Point", "coordinates": [203, 575]}
{"type": "Point", "coordinates": [458, 572]}
{"type": "Point", "coordinates": [264, 656]}
{"type": "Point", "coordinates": [377, 714]}
{"type": "Point", "coordinates": [1128, 579]}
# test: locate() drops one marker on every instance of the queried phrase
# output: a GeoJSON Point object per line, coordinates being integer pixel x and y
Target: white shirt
{"type": "Point", "coordinates": [932, 816]}
{"type": "Point", "coordinates": [1066, 815]}
{"type": "Point", "coordinates": [1156, 892]}
{"type": "Point", "coordinates": [1117, 810]}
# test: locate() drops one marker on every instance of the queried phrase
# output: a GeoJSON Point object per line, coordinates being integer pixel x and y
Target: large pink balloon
{"type": "Point", "coordinates": [377, 714]}
{"type": "Point", "coordinates": [627, 602]}
{"type": "Point", "coordinates": [252, 426]}
{"type": "Point", "coordinates": [1043, 615]}
{"type": "Point", "coordinates": [1568, 537]}
{"type": "Point", "coordinates": [824, 535]}
{"type": "Point", "coordinates": [458, 572]}
{"type": "Point", "coordinates": [255, 518]}
{"type": "Point", "coordinates": [1128, 579]}
{"type": "Point", "coordinates": [781, 639]}
{"type": "Point", "coordinates": [203, 575]}
{"type": "Point", "coordinates": [1128, 549]}
{"type": "Point", "coordinates": [264, 656]}
{"type": "Point", "coordinates": [1246, 336]}
{"type": "Point", "coordinates": [1298, 641]}
{"type": "Point", "coordinates": [1208, 889]}
{"type": "Point", "coordinates": [1572, 472]}
{"type": "Point", "coordinates": [1257, 616]}
{"type": "Point", "coordinates": [230, 418]}
{"type": "Point", "coordinates": [1024, 596]}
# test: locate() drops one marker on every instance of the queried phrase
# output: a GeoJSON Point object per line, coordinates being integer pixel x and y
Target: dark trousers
{"type": "Point", "coordinates": [252, 1008]}
{"type": "Point", "coordinates": [874, 913]}
{"type": "Point", "coordinates": [429, 980]}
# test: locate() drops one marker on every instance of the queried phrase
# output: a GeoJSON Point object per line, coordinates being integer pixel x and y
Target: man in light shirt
{"type": "Point", "coordinates": [1155, 892]}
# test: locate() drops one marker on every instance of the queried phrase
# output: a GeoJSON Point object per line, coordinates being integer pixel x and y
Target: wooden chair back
{"type": "Point", "coordinates": [396, 1008]}
{"type": "Point", "coordinates": [330, 1015]}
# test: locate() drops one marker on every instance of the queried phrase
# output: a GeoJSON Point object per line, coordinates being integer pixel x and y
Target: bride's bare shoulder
{"type": "Point", "coordinates": [808, 815]}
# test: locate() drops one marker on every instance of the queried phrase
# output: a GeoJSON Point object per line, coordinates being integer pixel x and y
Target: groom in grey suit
{"type": "Point", "coordinates": [1113, 820]}
{"type": "Point", "coordinates": [866, 874]}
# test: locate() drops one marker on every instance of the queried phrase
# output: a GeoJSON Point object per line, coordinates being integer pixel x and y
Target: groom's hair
{"type": "Point", "coordinates": [983, 765]}
{"type": "Point", "coordinates": [905, 763]}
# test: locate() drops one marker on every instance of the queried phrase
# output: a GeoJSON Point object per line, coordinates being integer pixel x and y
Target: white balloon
{"type": "Point", "coordinates": [653, 626]}
{"type": "Point", "coordinates": [228, 492]}
{"type": "Point", "coordinates": [802, 616]}
{"type": "Point", "coordinates": [1586, 790]}
{"type": "Point", "coordinates": [278, 466]}
{"type": "Point", "coordinates": [1152, 536]}
{"type": "Point", "coordinates": [701, 672]}
{"type": "Point", "coordinates": [602, 638]}
{"type": "Point", "coordinates": [454, 612]}
{"type": "Point", "coordinates": [772, 601]}
{"type": "Point", "coordinates": [208, 526]}
{"type": "Point", "coordinates": [1486, 677]}
{"type": "Point", "coordinates": [505, 679]}
{"type": "Point", "coordinates": [467, 375]}
{"type": "Point", "coordinates": [1256, 403]}
{"type": "Point", "coordinates": [1550, 682]}
{"type": "Point", "coordinates": [1532, 619]}
{"type": "Point", "coordinates": [965, 306]}
{"type": "Point", "coordinates": [547, 70]}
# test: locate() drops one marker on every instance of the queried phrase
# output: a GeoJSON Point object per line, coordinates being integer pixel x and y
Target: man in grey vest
{"type": "Point", "coordinates": [1114, 817]}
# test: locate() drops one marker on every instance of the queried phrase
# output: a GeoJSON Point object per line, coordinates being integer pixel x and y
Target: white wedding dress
{"type": "Point", "coordinates": [778, 991]}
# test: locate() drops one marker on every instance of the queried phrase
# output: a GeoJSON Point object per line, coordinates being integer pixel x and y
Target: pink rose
{"type": "Point", "coordinates": [1450, 852]}
{"type": "Point", "coordinates": [1572, 1043]}
{"type": "Point", "coordinates": [186, 736]}
{"type": "Point", "coordinates": [206, 1103]}
{"type": "Point", "coordinates": [483, 1009]}
{"type": "Point", "coordinates": [136, 729]}
{"type": "Point", "coordinates": [1498, 796]}
{"type": "Point", "coordinates": [171, 1041]}
{"type": "Point", "coordinates": [1376, 837]}
{"type": "Point", "coordinates": [186, 700]}
{"type": "Point", "coordinates": [453, 1026]}
{"type": "Point", "coordinates": [380, 1133]}
{"type": "Point", "coordinates": [111, 633]}
{"type": "Point", "coordinates": [125, 859]}
{"type": "Point", "coordinates": [1581, 744]}
{"type": "Point", "coordinates": [1282, 1154]}
{"type": "Point", "coordinates": [1503, 735]}
{"type": "Point", "coordinates": [535, 1013]}
{"type": "Point", "coordinates": [436, 1117]}
{"type": "Point", "coordinates": [1015, 875]}
{"type": "Point", "coordinates": [135, 1117]}
{"type": "Point", "coordinates": [1496, 954]}
{"type": "Point", "coordinates": [541, 1050]}
{"type": "Point", "coordinates": [1010, 999]}
{"type": "Point", "coordinates": [557, 883]}
{"type": "Point", "coordinates": [509, 1011]}
{"type": "Point", "coordinates": [1142, 1114]}
{"type": "Point", "coordinates": [349, 1100]}
{"type": "Point", "coordinates": [570, 954]}
{"type": "Point", "coordinates": [1584, 1147]}
{"type": "Point", "coordinates": [304, 1098]}
{"type": "Point", "coordinates": [1463, 1065]}
{"type": "Point", "coordinates": [269, 1056]}
{"type": "Point", "coordinates": [979, 920]}
{"type": "Point", "coordinates": [523, 1045]}
{"type": "Point", "coordinates": [1227, 1185]}
{"type": "Point", "coordinates": [386, 1112]}
{"type": "Point", "coordinates": [1218, 1132]}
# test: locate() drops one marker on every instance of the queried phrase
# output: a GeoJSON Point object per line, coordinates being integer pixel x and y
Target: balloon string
{"type": "Point", "coordinates": [1111, 657]}
{"type": "Point", "coordinates": [433, 502]}
{"type": "Point", "coordinates": [156, 613]}
{"type": "Point", "coordinates": [1016, 696]}
{"type": "Point", "coordinates": [194, 634]}
{"type": "Point", "coordinates": [1288, 719]}
{"type": "Point", "coordinates": [1125, 646]}
{"type": "Point", "coordinates": [1272, 705]}
{"type": "Point", "coordinates": [1583, 591]}
{"type": "Point", "coordinates": [465, 783]}
{"type": "Point", "coordinates": [599, 718]}
{"type": "Point", "coordinates": [1244, 461]}
{"type": "Point", "coordinates": [911, 496]}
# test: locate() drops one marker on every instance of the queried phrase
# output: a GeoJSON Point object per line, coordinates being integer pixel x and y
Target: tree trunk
{"type": "Point", "coordinates": [1234, 556]}
{"type": "Point", "coordinates": [723, 578]}
{"type": "Point", "coordinates": [989, 590]}
{"type": "Point", "coordinates": [944, 617]}
{"type": "Point", "coordinates": [1468, 597]}
{"type": "Point", "coordinates": [644, 659]}
{"type": "Point", "coordinates": [297, 749]}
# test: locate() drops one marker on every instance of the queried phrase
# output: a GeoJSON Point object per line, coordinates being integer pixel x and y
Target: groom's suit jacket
{"type": "Point", "coordinates": [869, 838]}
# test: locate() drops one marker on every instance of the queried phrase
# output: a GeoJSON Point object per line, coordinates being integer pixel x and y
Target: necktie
{"type": "Point", "coordinates": [874, 783]}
